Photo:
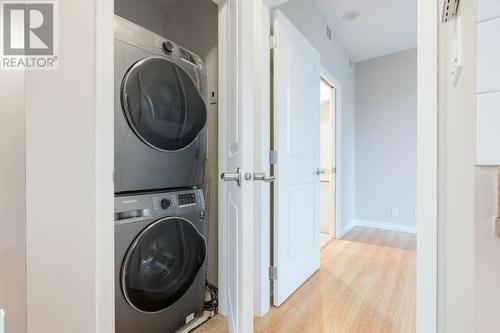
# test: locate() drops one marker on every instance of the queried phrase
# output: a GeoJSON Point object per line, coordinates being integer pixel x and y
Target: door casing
{"type": "Point", "coordinates": [427, 167]}
{"type": "Point", "coordinates": [336, 228]}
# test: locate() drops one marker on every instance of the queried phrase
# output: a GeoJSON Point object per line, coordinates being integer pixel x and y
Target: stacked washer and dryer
{"type": "Point", "coordinates": [160, 149]}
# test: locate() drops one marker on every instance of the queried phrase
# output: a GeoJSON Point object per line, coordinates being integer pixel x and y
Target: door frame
{"type": "Point", "coordinates": [426, 166]}
{"type": "Point", "coordinates": [245, 27]}
{"type": "Point", "coordinates": [104, 168]}
{"type": "Point", "coordinates": [336, 228]}
{"type": "Point", "coordinates": [104, 310]}
{"type": "Point", "coordinates": [427, 141]}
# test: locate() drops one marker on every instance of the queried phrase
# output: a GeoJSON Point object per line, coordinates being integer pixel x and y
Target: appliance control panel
{"type": "Point", "coordinates": [164, 202]}
{"type": "Point", "coordinates": [187, 199]}
{"type": "Point", "coordinates": [129, 209]}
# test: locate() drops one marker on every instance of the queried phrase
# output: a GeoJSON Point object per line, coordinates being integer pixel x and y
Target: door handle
{"type": "Point", "coordinates": [232, 177]}
{"type": "Point", "coordinates": [261, 176]}
{"type": "Point", "coordinates": [319, 171]}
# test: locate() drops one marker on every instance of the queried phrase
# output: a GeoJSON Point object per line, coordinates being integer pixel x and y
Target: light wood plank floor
{"type": "Point", "coordinates": [366, 284]}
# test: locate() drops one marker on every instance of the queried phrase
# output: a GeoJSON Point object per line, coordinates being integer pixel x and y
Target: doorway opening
{"type": "Point", "coordinates": [328, 159]}
{"type": "Point", "coordinates": [175, 98]}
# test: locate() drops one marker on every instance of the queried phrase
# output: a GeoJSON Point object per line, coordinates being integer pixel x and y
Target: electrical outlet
{"type": "Point", "coordinates": [395, 212]}
{"type": "Point", "coordinates": [497, 227]}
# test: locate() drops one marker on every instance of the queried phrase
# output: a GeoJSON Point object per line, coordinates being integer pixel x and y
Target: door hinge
{"type": "Point", "coordinates": [273, 42]}
{"type": "Point", "coordinates": [273, 157]}
{"type": "Point", "coordinates": [273, 273]}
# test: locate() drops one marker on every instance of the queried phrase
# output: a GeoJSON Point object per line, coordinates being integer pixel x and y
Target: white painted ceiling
{"type": "Point", "coordinates": [384, 26]}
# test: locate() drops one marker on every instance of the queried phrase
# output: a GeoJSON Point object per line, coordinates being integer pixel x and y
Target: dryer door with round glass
{"type": "Point", "coordinates": [161, 264]}
{"type": "Point", "coordinates": [162, 104]}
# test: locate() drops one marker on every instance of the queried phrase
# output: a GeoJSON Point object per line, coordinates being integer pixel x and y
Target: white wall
{"type": "Point", "coordinates": [309, 19]}
{"type": "Point", "coordinates": [456, 182]}
{"type": "Point", "coordinates": [487, 245]}
{"type": "Point", "coordinates": [12, 200]}
{"type": "Point", "coordinates": [487, 251]}
{"type": "Point", "coordinates": [386, 138]}
{"type": "Point", "coordinates": [60, 175]}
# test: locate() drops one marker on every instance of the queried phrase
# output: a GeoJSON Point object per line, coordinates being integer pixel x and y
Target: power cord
{"type": "Point", "coordinates": [211, 305]}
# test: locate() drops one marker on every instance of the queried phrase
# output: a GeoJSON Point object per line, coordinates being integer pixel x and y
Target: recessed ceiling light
{"type": "Point", "coordinates": [351, 15]}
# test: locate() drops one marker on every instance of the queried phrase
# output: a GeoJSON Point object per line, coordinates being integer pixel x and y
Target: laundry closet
{"type": "Point", "coordinates": [166, 162]}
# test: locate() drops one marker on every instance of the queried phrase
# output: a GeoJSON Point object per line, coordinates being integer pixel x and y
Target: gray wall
{"type": "Point", "coordinates": [194, 25]}
{"type": "Point", "coordinates": [309, 19]}
{"type": "Point", "coordinates": [386, 138]}
{"type": "Point", "coordinates": [142, 13]}
{"type": "Point", "coordinates": [202, 38]}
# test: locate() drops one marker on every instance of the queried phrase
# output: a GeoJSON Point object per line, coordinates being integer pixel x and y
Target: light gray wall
{"type": "Point", "coordinates": [12, 200]}
{"type": "Point", "coordinates": [386, 138]}
{"type": "Point", "coordinates": [309, 19]}
{"type": "Point", "coordinates": [194, 25]}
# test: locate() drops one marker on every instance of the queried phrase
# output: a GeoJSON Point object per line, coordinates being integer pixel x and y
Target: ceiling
{"type": "Point", "coordinates": [384, 26]}
{"type": "Point", "coordinates": [164, 5]}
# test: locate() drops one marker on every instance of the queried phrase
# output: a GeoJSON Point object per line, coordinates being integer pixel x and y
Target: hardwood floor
{"type": "Point", "coordinates": [366, 284]}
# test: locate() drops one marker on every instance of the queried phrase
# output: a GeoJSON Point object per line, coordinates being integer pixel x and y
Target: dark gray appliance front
{"type": "Point", "coordinates": [160, 120]}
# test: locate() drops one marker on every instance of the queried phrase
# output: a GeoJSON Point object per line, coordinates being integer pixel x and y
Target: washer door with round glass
{"type": "Point", "coordinates": [161, 264]}
{"type": "Point", "coordinates": [162, 104]}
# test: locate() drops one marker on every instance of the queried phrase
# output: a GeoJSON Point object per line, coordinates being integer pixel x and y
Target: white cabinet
{"type": "Point", "coordinates": [488, 56]}
{"type": "Point", "coordinates": [488, 129]}
{"type": "Point", "coordinates": [488, 83]}
{"type": "Point", "coordinates": [487, 9]}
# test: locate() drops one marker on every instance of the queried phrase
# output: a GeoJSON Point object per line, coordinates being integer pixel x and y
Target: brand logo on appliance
{"type": "Point", "coordinates": [30, 37]}
{"type": "Point", "coordinates": [129, 201]}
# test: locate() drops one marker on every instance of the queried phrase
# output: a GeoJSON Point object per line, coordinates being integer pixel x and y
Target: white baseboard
{"type": "Point", "coordinates": [347, 228]}
{"type": "Point", "coordinates": [387, 226]}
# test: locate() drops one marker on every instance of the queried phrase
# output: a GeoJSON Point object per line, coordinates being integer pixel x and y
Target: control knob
{"type": "Point", "coordinates": [165, 203]}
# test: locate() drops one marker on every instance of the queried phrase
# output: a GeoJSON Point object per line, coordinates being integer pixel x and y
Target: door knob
{"type": "Point", "coordinates": [319, 171]}
{"type": "Point", "coordinates": [261, 176]}
{"type": "Point", "coordinates": [232, 177]}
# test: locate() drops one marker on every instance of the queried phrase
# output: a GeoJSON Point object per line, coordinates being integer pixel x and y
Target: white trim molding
{"type": "Point", "coordinates": [337, 129]}
{"type": "Point", "coordinates": [385, 225]}
{"type": "Point", "coordinates": [346, 229]}
{"type": "Point", "coordinates": [427, 157]}
{"type": "Point", "coordinates": [104, 166]}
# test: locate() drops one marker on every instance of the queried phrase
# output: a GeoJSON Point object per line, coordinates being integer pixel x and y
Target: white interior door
{"type": "Point", "coordinates": [235, 160]}
{"type": "Point", "coordinates": [297, 141]}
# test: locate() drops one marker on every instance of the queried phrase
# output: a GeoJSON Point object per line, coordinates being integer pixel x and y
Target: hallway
{"type": "Point", "coordinates": [366, 285]}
